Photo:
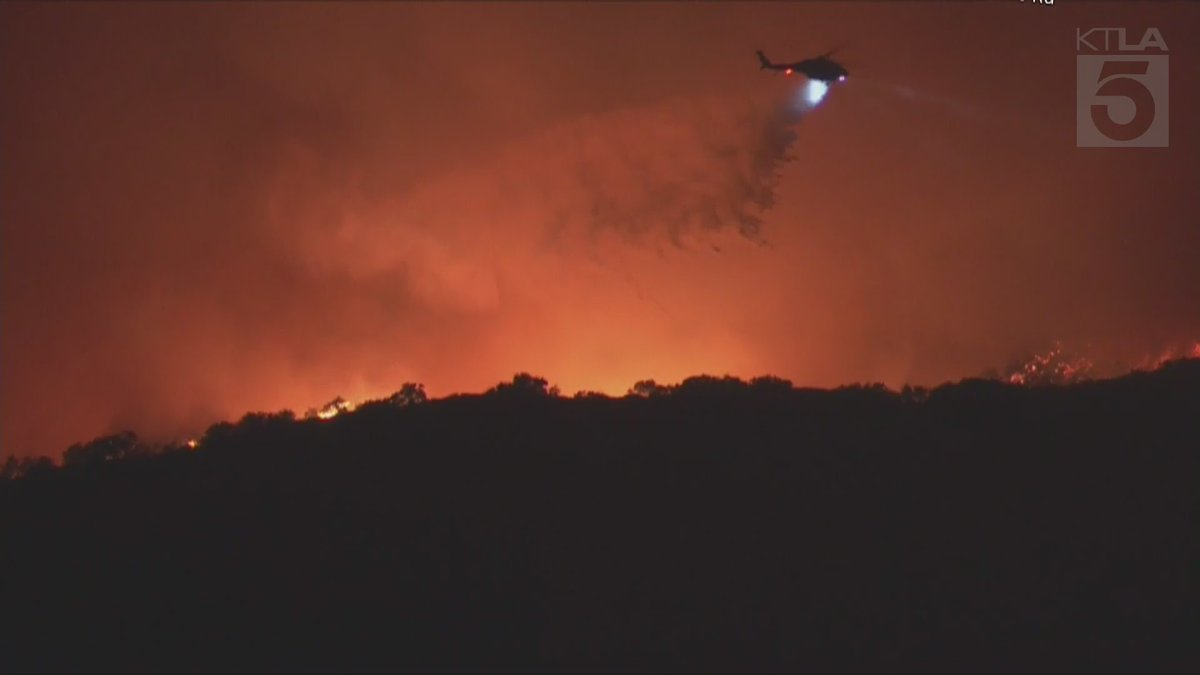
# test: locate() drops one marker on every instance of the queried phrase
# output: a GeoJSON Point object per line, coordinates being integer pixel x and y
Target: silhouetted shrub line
{"type": "Point", "coordinates": [711, 525]}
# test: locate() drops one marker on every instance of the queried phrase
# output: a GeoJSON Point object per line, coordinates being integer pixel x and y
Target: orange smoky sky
{"type": "Point", "coordinates": [212, 208]}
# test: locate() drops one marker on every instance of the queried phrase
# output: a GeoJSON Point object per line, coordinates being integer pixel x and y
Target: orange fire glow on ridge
{"type": "Point", "coordinates": [1169, 354]}
{"type": "Point", "coordinates": [1053, 367]}
{"type": "Point", "coordinates": [316, 233]}
{"type": "Point", "coordinates": [332, 409]}
{"type": "Point", "coordinates": [1057, 366]}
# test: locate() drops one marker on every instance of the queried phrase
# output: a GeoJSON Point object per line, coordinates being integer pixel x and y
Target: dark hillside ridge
{"type": "Point", "coordinates": [718, 525]}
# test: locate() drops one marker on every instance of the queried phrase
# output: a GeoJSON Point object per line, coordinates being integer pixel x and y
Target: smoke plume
{"type": "Point", "coordinates": [210, 208]}
{"type": "Point", "coordinates": [674, 173]}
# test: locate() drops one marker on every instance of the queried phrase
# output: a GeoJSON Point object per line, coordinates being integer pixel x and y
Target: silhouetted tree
{"type": "Point", "coordinates": [708, 385]}
{"type": "Point", "coordinates": [771, 383]}
{"type": "Point", "coordinates": [218, 435]}
{"type": "Point", "coordinates": [267, 418]}
{"type": "Point", "coordinates": [105, 449]}
{"type": "Point", "coordinates": [647, 388]}
{"type": "Point", "coordinates": [524, 384]}
{"type": "Point", "coordinates": [410, 394]}
{"type": "Point", "coordinates": [26, 467]}
{"type": "Point", "coordinates": [10, 469]}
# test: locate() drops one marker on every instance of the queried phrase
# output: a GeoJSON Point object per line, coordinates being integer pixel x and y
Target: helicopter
{"type": "Point", "coordinates": [820, 68]}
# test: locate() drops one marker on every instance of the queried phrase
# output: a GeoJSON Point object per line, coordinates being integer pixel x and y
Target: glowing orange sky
{"type": "Point", "coordinates": [215, 208]}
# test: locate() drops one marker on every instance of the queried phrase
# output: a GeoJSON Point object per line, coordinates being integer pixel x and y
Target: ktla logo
{"type": "Point", "coordinates": [1122, 91]}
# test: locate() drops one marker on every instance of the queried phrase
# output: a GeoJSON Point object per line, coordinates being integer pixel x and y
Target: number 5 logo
{"type": "Point", "coordinates": [1122, 101]}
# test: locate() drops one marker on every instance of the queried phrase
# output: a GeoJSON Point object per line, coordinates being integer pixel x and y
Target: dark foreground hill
{"type": "Point", "coordinates": [979, 526]}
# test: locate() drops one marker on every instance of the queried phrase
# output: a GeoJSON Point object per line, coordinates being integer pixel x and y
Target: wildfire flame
{"type": "Point", "coordinates": [1169, 354]}
{"type": "Point", "coordinates": [1053, 367]}
{"type": "Point", "coordinates": [1058, 367]}
{"type": "Point", "coordinates": [334, 408]}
